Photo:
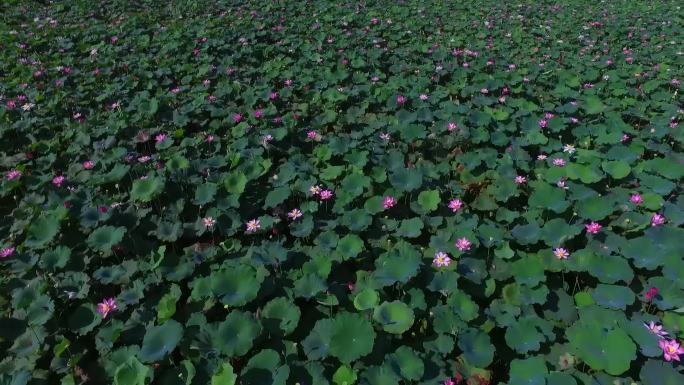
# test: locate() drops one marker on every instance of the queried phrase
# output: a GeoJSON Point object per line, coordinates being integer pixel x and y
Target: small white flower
{"type": "Point", "coordinates": [569, 148]}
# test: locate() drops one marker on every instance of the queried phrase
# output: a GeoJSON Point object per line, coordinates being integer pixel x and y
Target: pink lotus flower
{"type": "Point", "coordinates": [560, 162]}
{"type": "Point", "coordinates": [315, 190]}
{"type": "Point", "coordinates": [13, 174]}
{"type": "Point", "coordinates": [210, 138]}
{"type": "Point", "coordinates": [289, 82]}
{"type": "Point", "coordinates": [274, 95]}
{"type": "Point", "coordinates": [58, 180]}
{"type": "Point", "coordinates": [401, 99]}
{"type": "Point", "coordinates": [561, 253]}
{"type": "Point", "coordinates": [463, 244]}
{"type": "Point", "coordinates": [253, 225]}
{"type": "Point", "coordinates": [160, 138]}
{"type": "Point", "coordinates": [541, 157]}
{"type": "Point", "coordinates": [423, 97]}
{"type": "Point", "coordinates": [520, 179]}
{"type": "Point", "coordinates": [636, 199]}
{"type": "Point", "coordinates": [294, 214]}
{"type": "Point", "coordinates": [543, 123]}
{"type": "Point", "coordinates": [451, 126]}
{"type": "Point", "coordinates": [237, 118]}
{"type": "Point", "coordinates": [389, 202]}
{"type": "Point", "coordinates": [671, 349]}
{"type": "Point", "coordinates": [651, 293]}
{"type": "Point", "coordinates": [548, 115]}
{"type": "Point", "coordinates": [561, 183]}
{"type": "Point", "coordinates": [574, 120]}
{"type": "Point", "coordinates": [106, 306]}
{"type": "Point", "coordinates": [655, 329]}
{"type": "Point", "coordinates": [208, 222]}
{"type": "Point", "coordinates": [449, 381]}
{"type": "Point", "coordinates": [267, 138]}
{"type": "Point", "coordinates": [175, 90]}
{"type": "Point", "coordinates": [441, 259]}
{"type": "Point", "coordinates": [657, 219]}
{"type": "Point", "coordinates": [455, 204]}
{"type": "Point", "coordinates": [625, 138]}
{"type": "Point", "coordinates": [593, 228]}
{"type": "Point", "coordinates": [258, 114]}
{"type": "Point", "coordinates": [311, 134]}
{"type": "Point", "coordinates": [88, 164]}
{"type": "Point", "coordinates": [325, 195]}
{"type": "Point", "coordinates": [385, 136]}
{"type": "Point", "coordinates": [484, 91]}
{"type": "Point", "coordinates": [7, 251]}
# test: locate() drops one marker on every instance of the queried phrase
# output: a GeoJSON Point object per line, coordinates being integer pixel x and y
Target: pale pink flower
{"type": "Point", "coordinates": [401, 99]}
{"type": "Point", "coordinates": [7, 251]}
{"type": "Point", "coordinates": [455, 204]}
{"type": "Point", "coordinates": [441, 259]}
{"type": "Point", "coordinates": [569, 148]}
{"type": "Point", "coordinates": [657, 219]}
{"type": "Point", "coordinates": [541, 157]}
{"type": "Point", "coordinates": [144, 159]}
{"type": "Point", "coordinates": [560, 162]}
{"type": "Point", "coordinates": [451, 126]}
{"type": "Point", "coordinates": [253, 225]}
{"type": "Point", "coordinates": [325, 195]}
{"type": "Point", "coordinates": [88, 164]}
{"type": "Point", "coordinates": [593, 227]}
{"type": "Point", "coordinates": [484, 91]}
{"type": "Point", "coordinates": [561, 253]}
{"type": "Point", "coordinates": [160, 138]}
{"type": "Point", "coordinates": [267, 138]}
{"type": "Point", "coordinates": [311, 134]}
{"type": "Point", "coordinates": [210, 138]}
{"type": "Point", "coordinates": [274, 95]}
{"type": "Point", "coordinates": [13, 174]}
{"type": "Point", "coordinates": [208, 222]}
{"type": "Point", "coordinates": [385, 136]}
{"type": "Point", "coordinates": [106, 306]}
{"type": "Point", "coordinates": [561, 183]}
{"type": "Point", "coordinates": [58, 180]}
{"type": "Point", "coordinates": [520, 179]}
{"type": "Point", "coordinates": [671, 349]}
{"type": "Point", "coordinates": [423, 97]}
{"type": "Point", "coordinates": [625, 138]}
{"type": "Point", "coordinates": [449, 381]}
{"type": "Point", "coordinates": [294, 214]}
{"type": "Point", "coordinates": [289, 82]}
{"type": "Point", "coordinates": [175, 90]}
{"type": "Point", "coordinates": [543, 123]}
{"type": "Point", "coordinates": [315, 190]}
{"type": "Point", "coordinates": [636, 199]}
{"type": "Point", "coordinates": [655, 329]}
{"type": "Point", "coordinates": [388, 202]}
{"type": "Point", "coordinates": [548, 115]}
{"type": "Point", "coordinates": [463, 244]}
{"type": "Point", "coordinates": [574, 120]}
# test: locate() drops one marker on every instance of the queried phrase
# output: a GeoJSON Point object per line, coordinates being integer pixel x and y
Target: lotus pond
{"type": "Point", "coordinates": [315, 193]}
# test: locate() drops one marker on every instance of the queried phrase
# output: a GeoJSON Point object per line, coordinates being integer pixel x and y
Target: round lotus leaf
{"type": "Point", "coordinates": [317, 344]}
{"type": "Point", "coordinates": [280, 315]}
{"type": "Point", "coordinates": [160, 341]}
{"type": "Point", "coordinates": [476, 347]}
{"type": "Point", "coordinates": [366, 299]}
{"type": "Point", "coordinates": [611, 351]}
{"type": "Point", "coordinates": [55, 258]}
{"type": "Point", "coordinates": [429, 200]}
{"type": "Point", "coordinates": [145, 190]}
{"type": "Point", "coordinates": [131, 372]}
{"type": "Point", "coordinates": [464, 306]}
{"type": "Point", "coordinates": [302, 228]}
{"type": "Point", "coordinates": [374, 205]}
{"type": "Point", "coordinates": [84, 319]}
{"type": "Point", "coordinates": [406, 179]}
{"type": "Point", "coordinates": [395, 317]}
{"type": "Point", "coordinates": [42, 231]}
{"type": "Point", "coordinates": [530, 371]}
{"type": "Point", "coordinates": [105, 237]}
{"type": "Point", "coordinates": [556, 231]}
{"type": "Point", "coordinates": [406, 362]}
{"type": "Point", "coordinates": [350, 246]}
{"type": "Point", "coordinates": [355, 183]}
{"type": "Point", "coordinates": [398, 265]}
{"type": "Point", "coordinates": [617, 169]}
{"type": "Point", "coordinates": [265, 367]}
{"type": "Point", "coordinates": [660, 373]}
{"type": "Point", "coordinates": [344, 375]}
{"type": "Point", "coordinates": [613, 296]}
{"type": "Point", "coordinates": [351, 337]}
{"type": "Point", "coordinates": [236, 286]}
{"type": "Point", "coordinates": [410, 228]}
{"type": "Point", "coordinates": [380, 375]}
{"type": "Point", "coordinates": [224, 375]}
{"type": "Point", "coordinates": [235, 336]}
{"type": "Point", "coordinates": [235, 183]}
{"type": "Point", "coordinates": [204, 194]}
{"type": "Point", "coordinates": [169, 232]}
{"type": "Point", "coordinates": [595, 208]}
{"type": "Point", "coordinates": [560, 378]}
{"type": "Point", "coordinates": [526, 234]}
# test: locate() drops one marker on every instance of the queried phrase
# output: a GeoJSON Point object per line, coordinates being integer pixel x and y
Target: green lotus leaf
{"type": "Point", "coordinates": [276, 197]}
{"type": "Point", "coordinates": [56, 258]}
{"type": "Point", "coordinates": [380, 375]}
{"type": "Point", "coordinates": [398, 265]}
{"type": "Point", "coordinates": [224, 375]}
{"type": "Point", "coordinates": [410, 228]}
{"type": "Point", "coordinates": [351, 337]}
{"type": "Point", "coordinates": [350, 246]}
{"type": "Point", "coordinates": [236, 286]}
{"type": "Point", "coordinates": [593, 105]}
{"type": "Point", "coordinates": [476, 347]}
{"type": "Point", "coordinates": [613, 297]}
{"type": "Point", "coordinates": [616, 169]}
{"type": "Point", "coordinates": [145, 190]}
{"type": "Point", "coordinates": [42, 231]}
{"type": "Point", "coordinates": [235, 183]}
{"type": "Point", "coordinates": [344, 375]}
{"type": "Point", "coordinates": [660, 373]}
{"type": "Point", "coordinates": [235, 336]}
{"type": "Point", "coordinates": [406, 179]}
{"type": "Point", "coordinates": [366, 299]}
{"type": "Point", "coordinates": [526, 234]}
{"type": "Point", "coordinates": [395, 317]}
{"type": "Point", "coordinates": [280, 315]}
{"type": "Point", "coordinates": [169, 232]}
{"type": "Point", "coordinates": [317, 344]}
{"type": "Point", "coordinates": [609, 350]}
{"type": "Point", "coordinates": [204, 194]}
{"type": "Point", "coordinates": [429, 200]}
{"type": "Point", "coordinates": [556, 231]}
{"type": "Point", "coordinates": [105, 237]}
{"type": "Point", "coordinates": [357, 220]}
{"type": "Point", "coordinates": [166, 307]}
{"type": "Point", "coordinates": [265, 367]}
{"type": "Point", "coordinates": [355, 183]}
{"type": "Point", "coordinates": [131, 372]}
{"type": "Point", "coordinates": [595, 208]}
{"type": "Point", "coordinates": [523, 336]}
{"type": "Point", "coordinates": [309, 285]}
{"type": "Point", "coordinates": [530, 371]}
{"type": "Point", "coordinates": [407, 363]}
{"type": "Point", "coordinates": [160, 341]}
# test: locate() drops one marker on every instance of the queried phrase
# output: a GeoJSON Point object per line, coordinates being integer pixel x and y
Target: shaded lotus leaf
{"type": "Point", "coordinates": [526, 234]}
{"type": "Point", "coordinates": [169, 232]}
{"type": "Point", "coordinates": [612, 351]}
{"type": "Point", "coordinates": [395, 317]}
{"type": "Point", "coordinates": [380, 375]}
{"type": "Point", "coordinates": [265, 367]}
{"type": "Point", "coordinates": [410, 228]}
{"type": "Point", "coordinates": [557, 231]}
{"type": "Point", "coordinates": [280, 315]}
{"type": "Point", "coordinates": [350, 246]}
{"type": "Point", "coordinates": [309, 285]}
{"type": "Point", "coordinates": [235, 183]}
{"type": "Point", "coordinates": [366, 299]}
{"type": "Point", "coordinates": [351, 337]}
{"type": "Point", "coordinates": [476, 347]}
{"type": "Point", "coordinates": [56, 258]}
{"type": "Point", "coordinates": [131, 372]}
{"type": "Point", "coordinates": [42, 231]}
{"type": "Point", "coordinates": [236, 286]}
{"type": "Point", "coordinates": [406, 179]}
{"type": "Point", "coordinates": [398, 265]}
{"type": "Point", "coordinates": [105, 237]}
{"type": "Point", "coordinates": [302, 228]}
{"type": "Point", "coordinates": [356, 220]}
{"type": "Point", "coordinates": [406, 363]}
{"type": "Point", "coordinates": [84, 319]}
{"type": "Point", "coordinates": [204, 194]}
{"type": "Point", "coordinates": [145, 190]}
{"type": "Point", "coordinates": [317, 344]}
{"type": "Point", "coordinates": [660, 373]}
{"type": "Point", "coordinates": [523, 336]}
{"type": "Point", "coordinates": [355, 183]}
{"type": "Point", "coordinates": [530, 371]}
{"type": "Point", "coordinates": [613, 297]}
{"type": "Point", "coordinates": [235, 336]}
{"type": "Point", "coordinates": [160, 341]}
{"type": "Point", "coordinates": [276, 196]}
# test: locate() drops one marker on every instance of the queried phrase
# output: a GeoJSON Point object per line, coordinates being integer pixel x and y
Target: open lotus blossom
{"type": "Point", "coordinates": [7, 251]}
{"type": "Point", "coordinates": [451, 126]}
{"type": "Point", "coordinates": [58, 180]}
{"type": "Point", "coordinates": [311, 134]}
{"type": "Point", "coordinates": [253, 226]}
{"type": "Point", "coordinates": [315, 190]}
{"type": "Point", "coordinates": [210, 138]}
{"type": "Point", "coordinates": [160, 138]}
{"type": "Point", "coordinates": [651, 293]}
{"type": "Point", "coordinates": [441, 259]}
{"type": "Point", "coordinates": [455, 204]}
{"type": "Point", "coordinates": [208, 222]}
{"type": "Point", "coordinates": [569, 148]}
{"type": "Point", "coordinates": [543, 123]}
{"type": "Point", "coordinates": [325, 195]}
{"type": "Point", "coordinates": [636, 199]}
{"type": "Point", "coordinates": [385, 136]}
{"type": "Point", "coordinates": [520, 179]}
{"type": "Point", "coordinates": [423, 97]}
{"type": "Point", "coordinates": [561, 253]}
{"type": "Point", "coordinates": [88, 164]}
{"type": "Point", "coordinates": [106, 306]}
{"type": "Point", "coordinates": [655, 329]}
{"type": "Point", "coordinates": [294, 214]}
{"type": "Point", "coordinates": [671, 349]}
{"type": "Point", "coordinates": [541, 157]}
{"type": "Point", "coordinates": [13, 174]}
{"type": "Point", "coordinates": [560, 162]}
{"type": "Point", "coordinates": [389, 202]}
{"type": "Point", "coordinates": [258, 114]}
{"type": "Point", "coordinates": [593, 228]}
{"type": "Point", "coordinates": [657, 219]}
{"type": "Point", "coordinates": [401, 99]}
{"type": "Point", "coordinates": [463, 244]}
{"type": "Point", "coordinates": [237, 118]}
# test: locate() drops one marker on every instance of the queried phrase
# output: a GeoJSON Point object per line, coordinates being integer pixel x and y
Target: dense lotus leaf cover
{"type": "Point", "coordinates": [267, 192]}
